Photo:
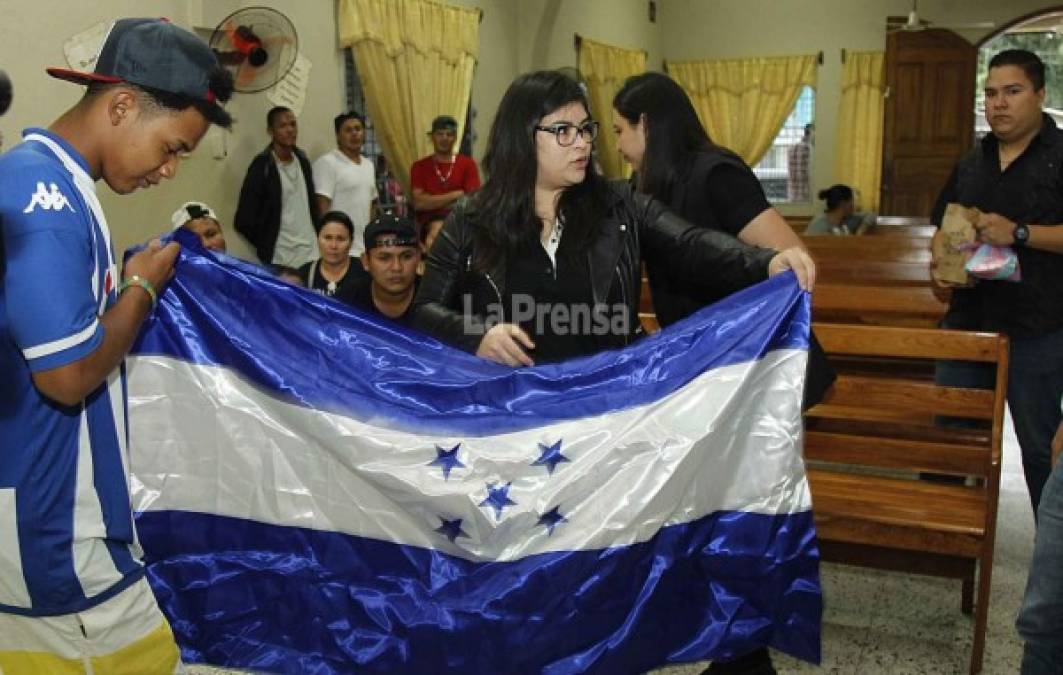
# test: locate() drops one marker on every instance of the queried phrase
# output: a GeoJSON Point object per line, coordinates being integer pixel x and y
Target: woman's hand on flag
{"type": "Point", "coordinates": [798, 260]}
{"type": "Point", "coordinates": [505, 344]}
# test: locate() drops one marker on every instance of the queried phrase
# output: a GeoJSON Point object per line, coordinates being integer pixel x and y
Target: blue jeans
{"type": "Point", "coordinates": [1035, 388]}
{"type": "Point", "coordinates": [1040, 621]}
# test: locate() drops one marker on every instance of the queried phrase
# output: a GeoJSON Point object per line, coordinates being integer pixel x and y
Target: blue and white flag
{"type": "Point", "coordinates": [320, 491]}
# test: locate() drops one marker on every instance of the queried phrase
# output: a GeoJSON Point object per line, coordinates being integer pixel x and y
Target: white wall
{"type": "Point", "coordinates": [547, 28]}
{"type": "Point", "coordinates": [518, 36]}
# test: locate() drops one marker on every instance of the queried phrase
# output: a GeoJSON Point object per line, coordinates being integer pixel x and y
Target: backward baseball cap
{"type": "Point", "coordinates": [402, 230]}
{"type": "Point", "coordinates": [190, 211]}
{"type": "Point", "coordinates": [152, 53]}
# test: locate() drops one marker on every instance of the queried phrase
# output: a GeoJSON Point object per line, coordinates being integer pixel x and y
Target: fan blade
{"type": "Point", "coordinates": [245, 76]}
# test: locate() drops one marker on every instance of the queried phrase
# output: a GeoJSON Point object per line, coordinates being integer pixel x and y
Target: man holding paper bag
{"type": "Point", "coordinates": [1010, 187]}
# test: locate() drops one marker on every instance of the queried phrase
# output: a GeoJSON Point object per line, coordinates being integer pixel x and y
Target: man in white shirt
{"type": "Point", "coordinates": [276, 211]}
{"type": "Point", "coordinates": [345, 180]}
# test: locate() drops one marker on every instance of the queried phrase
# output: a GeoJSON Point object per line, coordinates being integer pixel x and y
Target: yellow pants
{"type": "Point", "coordinates": [124, 635]}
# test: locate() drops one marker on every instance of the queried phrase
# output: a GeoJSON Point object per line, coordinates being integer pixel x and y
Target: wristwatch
{"type": "Point", "coordinates": [1021, 234]}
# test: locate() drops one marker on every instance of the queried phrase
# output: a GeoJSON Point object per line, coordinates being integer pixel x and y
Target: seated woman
{"type": "Point", "coordinates": [335, 272]}
{"type": "Point", "coordinates": [839, 217]}
{"type": "Point", "coordinates": [543, 262]}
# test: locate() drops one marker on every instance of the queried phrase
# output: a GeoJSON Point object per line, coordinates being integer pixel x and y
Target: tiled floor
{"type": "Point", "coordinates": [898, 624]}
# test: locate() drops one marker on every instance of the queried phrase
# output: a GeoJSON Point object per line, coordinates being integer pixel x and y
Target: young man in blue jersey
{"type": "Point", "coordinates": [73, 597]}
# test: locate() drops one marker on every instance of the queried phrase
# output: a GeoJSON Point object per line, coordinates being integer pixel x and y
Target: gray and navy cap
{"type": "Point", "coordinates": [151, 53]}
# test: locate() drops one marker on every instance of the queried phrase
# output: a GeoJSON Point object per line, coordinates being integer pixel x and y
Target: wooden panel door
{"type": "Point", "coordinates": [929, 121]}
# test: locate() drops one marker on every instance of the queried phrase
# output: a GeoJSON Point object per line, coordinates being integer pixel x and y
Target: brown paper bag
{"type": "Point", "coordinates": [957, 228]}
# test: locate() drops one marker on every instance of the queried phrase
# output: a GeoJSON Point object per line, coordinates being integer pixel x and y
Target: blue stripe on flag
{"type": "Point", "coordinates": [220, 311]}
{"type": "Point", "coordinates": [288, 599]}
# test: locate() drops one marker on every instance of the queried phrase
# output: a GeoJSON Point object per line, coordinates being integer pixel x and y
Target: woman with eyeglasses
{"type": "Point", "coordinates": [543, 262]}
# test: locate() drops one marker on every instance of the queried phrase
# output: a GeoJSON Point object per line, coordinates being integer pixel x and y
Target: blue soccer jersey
{"type": "Point", "coordinates": [66, 530]}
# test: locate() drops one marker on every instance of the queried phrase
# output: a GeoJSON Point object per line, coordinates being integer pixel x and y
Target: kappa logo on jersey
{"type": "Point", "coordinates": [49, 201]}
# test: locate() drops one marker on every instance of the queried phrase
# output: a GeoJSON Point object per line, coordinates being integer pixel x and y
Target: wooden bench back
{"type": "Point", "coordinates": [892, 249]}
{"type": "Point", "coordinates": [798, 223]}
{"type": "Point", "coordinates": [905, 226]}
{"type": "Point", "coordinates": [880, 280]}
{"type": "Point", "coordinates": [893, 421]}
{"type": "Point", "coordinates": [895, 305]}
{"type": "Point", "coordinates": [879, 457]}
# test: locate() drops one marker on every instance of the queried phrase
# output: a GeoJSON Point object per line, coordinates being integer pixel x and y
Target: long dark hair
{"type": "Point", "coordinates": [674, 134]}
{"type": "Point", "coordinates": [505, 205]}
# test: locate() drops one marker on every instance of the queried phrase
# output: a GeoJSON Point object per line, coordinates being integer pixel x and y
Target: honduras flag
{"type": "Point", "coordinates": [320, 491]}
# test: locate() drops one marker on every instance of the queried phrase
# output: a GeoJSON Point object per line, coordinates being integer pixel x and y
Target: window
{"type": "Point", "coordinates": [356, 102]}
{"type": "Point", "coordinates": [783, 183]}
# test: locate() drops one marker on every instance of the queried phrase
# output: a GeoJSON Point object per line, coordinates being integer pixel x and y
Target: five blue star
{"type": "Point", "coordinates": [451, 529]}
{"type": "Point", "coordinates": [498, 498]}
{"type": "Point", "coordinates": [551, 519]}
{"type": "Point", "coordinates": [551, 456]}
{"type": "Point", "coordinates": [448, 459]}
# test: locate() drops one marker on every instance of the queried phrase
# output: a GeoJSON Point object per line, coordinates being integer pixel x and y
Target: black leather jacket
{"type": "Point", "coordinates": [258, 213]}
{"type": "Point", "coordinates": [634, 223]}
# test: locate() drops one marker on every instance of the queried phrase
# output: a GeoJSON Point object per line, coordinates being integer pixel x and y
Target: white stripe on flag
{"type": "Point", "coordinates": [205, 440]}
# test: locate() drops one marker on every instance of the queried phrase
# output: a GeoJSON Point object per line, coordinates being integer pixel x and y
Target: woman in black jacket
{"type": "Point", "coordinates": [543, 263]}
{"type": "Point", "coordinates": [660, 135]}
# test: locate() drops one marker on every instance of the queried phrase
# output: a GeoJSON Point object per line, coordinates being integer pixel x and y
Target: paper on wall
{"type": "Point", "coordinates": [290, 92]}
{"type": "Point", "coordinates": [81, 50]}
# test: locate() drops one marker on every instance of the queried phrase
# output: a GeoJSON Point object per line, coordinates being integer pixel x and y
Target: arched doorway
{"type": "Point", "coordinates": [1040, 33]}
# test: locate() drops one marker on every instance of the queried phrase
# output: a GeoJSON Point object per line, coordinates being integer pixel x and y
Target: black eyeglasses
{"type": "Point", "coordinates": [566, 133]}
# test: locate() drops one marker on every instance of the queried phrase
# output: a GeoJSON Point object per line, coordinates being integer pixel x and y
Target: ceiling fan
{"type": "Point", "coordinates": [913, 22]}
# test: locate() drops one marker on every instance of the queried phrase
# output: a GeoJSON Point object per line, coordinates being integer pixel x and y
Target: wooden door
{"type": "Point", "coordinates": [929, 120]}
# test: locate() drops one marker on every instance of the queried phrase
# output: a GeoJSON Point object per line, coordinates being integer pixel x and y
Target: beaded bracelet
{"type": "Point", "coordinates": [137, 280]}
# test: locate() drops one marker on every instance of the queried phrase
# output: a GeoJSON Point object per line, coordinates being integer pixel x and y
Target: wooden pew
{"type": "Point", "coordinates": [798, 223]}
{"type": "Point", "coordinates": [904, 226]}
{"type": "Point", "coordinates": [876, 280]}
{"type": "Point", "coordinates": [880, 280]}
{"type": "Point", "coordinates": [871, 248]}
{"type": "Point", "coordinates": [868, 442]}
{"type": "Point", "coordinates": [884, 305]}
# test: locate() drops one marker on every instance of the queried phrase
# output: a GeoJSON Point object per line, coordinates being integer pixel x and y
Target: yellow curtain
{"type": "Point", "coordinates": [860, 119]}
{"type": "Point", "coordinates": [415, 59]}
{"type": "Point", "coordinates": [744, 102]}
{"type": "Point", "coordinates": [604, 68]}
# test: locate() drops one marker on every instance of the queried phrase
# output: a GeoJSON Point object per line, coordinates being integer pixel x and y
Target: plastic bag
{"type": "Point", "coordinates": [994, 262]}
